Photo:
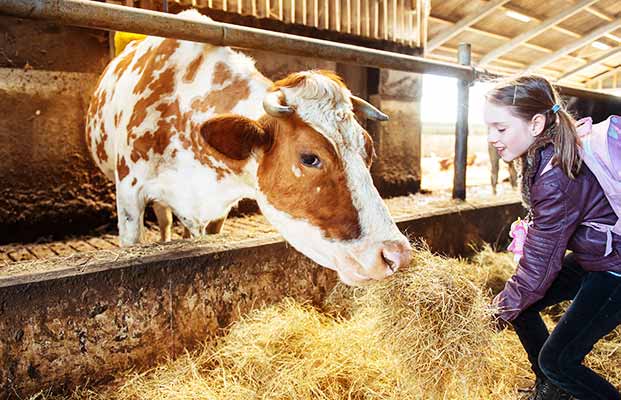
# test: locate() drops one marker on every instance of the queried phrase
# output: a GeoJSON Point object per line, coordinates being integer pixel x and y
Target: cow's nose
{"type": "Point", "coordinates": [396, 254]}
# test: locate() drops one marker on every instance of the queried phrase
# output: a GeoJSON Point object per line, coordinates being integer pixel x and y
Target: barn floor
{"type": "Point", "coordinates": [24, 259]}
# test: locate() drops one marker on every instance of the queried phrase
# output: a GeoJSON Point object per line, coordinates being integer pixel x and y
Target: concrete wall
{"type": "Point", "coordinates": [47, 73]}
{"type": "Point", "coordinates": [397, 169]}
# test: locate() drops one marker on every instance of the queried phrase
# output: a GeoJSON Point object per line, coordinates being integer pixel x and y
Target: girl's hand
{"type": "Point", "coordinates": [499, 324]}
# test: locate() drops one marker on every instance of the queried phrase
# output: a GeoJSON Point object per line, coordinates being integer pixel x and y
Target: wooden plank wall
{"type": "Point", "coordinates": [393, 20]}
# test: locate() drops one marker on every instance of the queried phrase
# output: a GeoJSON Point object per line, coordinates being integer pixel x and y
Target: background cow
{"type": "Point", "coordinates": [494, 160]}
{"type": "Point", "coordinates": [195, 128]}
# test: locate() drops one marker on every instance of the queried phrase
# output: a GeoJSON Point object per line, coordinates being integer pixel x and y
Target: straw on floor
{"type": "Point", "coordinates": [426, 334]}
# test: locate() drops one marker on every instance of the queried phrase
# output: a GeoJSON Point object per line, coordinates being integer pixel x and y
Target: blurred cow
{"type": "Point", "coordinates": [494, 160]}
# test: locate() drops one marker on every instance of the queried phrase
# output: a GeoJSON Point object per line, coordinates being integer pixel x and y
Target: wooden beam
{"type": "Point", "coordinates": [599, 60]}
{"type": "Point", "coordinates": [505, 38]}
{"type": "Point", "coordinates": [600, 14]}
{"type": "Point", "coordinates": [597, 33]}
{"type": "Point", "coordinates": [537, 19]}
{"type": "Point", "coordinates": [528, 35]}
{"type": "Point", "coordinates": [464, 23]}
{"type": "Point", "coordinates": [602, 77]}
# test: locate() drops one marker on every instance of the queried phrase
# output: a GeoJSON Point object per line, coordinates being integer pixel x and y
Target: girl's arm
{"type": "Point", "coordinates": [556, 216]}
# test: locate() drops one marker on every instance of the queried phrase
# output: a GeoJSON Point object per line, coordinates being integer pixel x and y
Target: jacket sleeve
{"type": "Point", "coordinates": [556, 217]}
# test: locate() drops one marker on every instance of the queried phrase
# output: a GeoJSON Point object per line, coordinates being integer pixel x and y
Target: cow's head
{"type": "Point", "coordinates": [312, 175]}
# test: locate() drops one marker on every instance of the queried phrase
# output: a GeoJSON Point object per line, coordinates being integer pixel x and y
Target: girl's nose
{"type": "Point", "coordinates": [492, 138]}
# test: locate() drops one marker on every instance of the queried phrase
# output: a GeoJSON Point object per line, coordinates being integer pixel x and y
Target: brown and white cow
{"type": "Point", "coordinates": [194, 128]}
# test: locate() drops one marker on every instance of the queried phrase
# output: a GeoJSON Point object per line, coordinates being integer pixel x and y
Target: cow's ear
{"type": "Point", "coordinates": [235, 136]}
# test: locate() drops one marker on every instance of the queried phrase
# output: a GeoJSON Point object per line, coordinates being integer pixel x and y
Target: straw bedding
{"type": "Point", "coordinates": [425, 334]}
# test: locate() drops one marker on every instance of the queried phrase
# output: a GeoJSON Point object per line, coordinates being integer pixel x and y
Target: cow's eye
{"type": "Point", "coordinates": [310, 160]}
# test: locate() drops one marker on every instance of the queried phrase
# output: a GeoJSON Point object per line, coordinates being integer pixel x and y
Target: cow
{"type": "Point", "coordinates": [193, 128]}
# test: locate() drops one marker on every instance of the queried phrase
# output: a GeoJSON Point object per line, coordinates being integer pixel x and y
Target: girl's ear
{"type": "Point", "coordinates": [537, 123]}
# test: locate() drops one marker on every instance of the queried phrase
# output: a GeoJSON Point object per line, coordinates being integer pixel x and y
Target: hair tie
{"type": "Point", "coordinates": [555, 108]}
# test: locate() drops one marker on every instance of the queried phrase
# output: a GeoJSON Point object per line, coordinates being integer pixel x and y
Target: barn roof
{"type": "Point", "coordinates": [573, 42]}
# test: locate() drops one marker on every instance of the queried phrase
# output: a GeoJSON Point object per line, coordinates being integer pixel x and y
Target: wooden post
{"type": "Point", "coordinates": [316, 13]}
{"type": "Point", "coordinates": [326, 14]}
{"type": "Point", "coordinates": [385, 19]}
{"type": "Point", "coordinates": [461, 127]}
{"type": "Point", "coordinates": [348, 16]}
{"type": "Point", "coordinates": [358, 17]}
{"type": "Point", "coordinates": [337, 16]}
{"type": "Point", "coordinates": [394, 20]}
{"type": "Point", "coordinates": [367, 18]}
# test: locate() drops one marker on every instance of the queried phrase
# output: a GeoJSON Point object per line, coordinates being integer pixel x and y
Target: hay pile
{"type": "Point", "coordinates": [426, 334]}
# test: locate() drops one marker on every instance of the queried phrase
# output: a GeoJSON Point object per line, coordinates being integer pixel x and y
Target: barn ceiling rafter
{"type": "Point", "coordinates": [577, 42]}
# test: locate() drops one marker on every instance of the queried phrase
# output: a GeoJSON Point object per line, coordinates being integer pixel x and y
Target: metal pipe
{"type": "Point", "coordinates": [461, 127]}
{"type": "Point", "coordinates": [90, 14]}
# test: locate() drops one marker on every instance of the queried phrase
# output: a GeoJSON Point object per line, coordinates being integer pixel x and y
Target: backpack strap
{"type": "Point", "coordinates": [606, 229]}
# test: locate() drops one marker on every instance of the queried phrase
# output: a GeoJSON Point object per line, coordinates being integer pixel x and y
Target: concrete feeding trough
{"type": "Point", "coordinates": [70, 320]}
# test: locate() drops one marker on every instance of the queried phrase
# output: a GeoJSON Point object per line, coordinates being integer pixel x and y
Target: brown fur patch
{"type": "Point", "coordinates": [222, 73]}
{"type": "Point", "coordinates": [152, 61]}
{"type": "Point", "coordinates": [190, 73]}
{"type": "Point", "coordinates": [291, 80]}
{"type": "Point", "coordinates": [332, 209]}
{"type": "Point", "coordinates": [224, 100]}
{"type": "Point", "coordinates": [100, 145]}
{"type": "Point", "coordinates": [161, 87]}
{"type": "Point", "coordinates": [122, 65]}
{"type": "Point", "coordinates": [117, 118]}
{"type": "Point", "coordinates": [134, 181]}
{"type": "Point", "coordinates": [169, 124]}
{"type": "Point", "coordinates": [122, 169]}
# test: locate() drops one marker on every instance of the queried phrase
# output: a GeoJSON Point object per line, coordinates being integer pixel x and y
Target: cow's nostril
{"type": "Point", "coordinates": [390, 263]}
{"type": "Point", "coordinates": [395, 254]}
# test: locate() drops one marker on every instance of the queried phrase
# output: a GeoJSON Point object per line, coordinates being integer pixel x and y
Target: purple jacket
{"type": "Point", "coordinates": [559, 205]}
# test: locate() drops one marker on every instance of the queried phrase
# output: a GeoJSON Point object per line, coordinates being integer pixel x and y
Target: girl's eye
{"type": "Point", "coordinates": [310, 160]}
{"type": "Point", "coordinates": [501, 130]}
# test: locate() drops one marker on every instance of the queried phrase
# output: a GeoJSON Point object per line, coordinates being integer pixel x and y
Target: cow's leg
{"type": "Point", "coordinates": [164, 220]}
{"type": "Point", "coordinates": [191, 229]}
{"type": "Point", "coordinates": [130, 210]}
{"type": "Point", "coordinates": [493, 159]}
{"type": "Point", "coordinates": [215, 226]}
{"type": "Point", "coordinates": [512, 174]}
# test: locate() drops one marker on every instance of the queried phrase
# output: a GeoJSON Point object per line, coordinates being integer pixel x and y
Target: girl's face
{"type": "Point", "coordinates": [510, 135]}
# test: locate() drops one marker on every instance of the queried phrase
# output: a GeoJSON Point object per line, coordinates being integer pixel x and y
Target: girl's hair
{"type": "Point", "coordinates": [529, 95]}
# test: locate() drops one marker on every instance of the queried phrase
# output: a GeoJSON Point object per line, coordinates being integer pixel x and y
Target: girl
{"type": "Point", "coordinates": [525, 120]}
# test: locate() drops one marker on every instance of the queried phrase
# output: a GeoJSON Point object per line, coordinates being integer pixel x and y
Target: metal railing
{"type": "Point", "coordinates": [91, 14]}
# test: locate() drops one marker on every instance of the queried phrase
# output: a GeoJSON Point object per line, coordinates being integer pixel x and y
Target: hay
{"type": "Point", "coordinates": [425, 334]}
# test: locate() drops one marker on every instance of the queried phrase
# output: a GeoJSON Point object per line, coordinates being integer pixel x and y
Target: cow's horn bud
{"type": "Point", "coordinates": [367, 109]}
{"type": "Point", "coordinates": [273, 104]}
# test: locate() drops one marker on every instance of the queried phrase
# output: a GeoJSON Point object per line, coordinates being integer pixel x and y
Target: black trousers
{"type": "Point", "coordinates": [594, 312]}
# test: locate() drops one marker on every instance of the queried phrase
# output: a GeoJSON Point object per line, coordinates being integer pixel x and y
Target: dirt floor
{"type": "Point", "coordinates": [437, 162]}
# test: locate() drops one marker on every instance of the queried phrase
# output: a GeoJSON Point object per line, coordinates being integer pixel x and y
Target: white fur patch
{"type": "Point", "coordinates": [296, 171]}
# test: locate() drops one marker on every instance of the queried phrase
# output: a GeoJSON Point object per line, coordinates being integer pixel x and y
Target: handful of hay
{"type": "Point", "coordinates": [424, 334]}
